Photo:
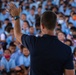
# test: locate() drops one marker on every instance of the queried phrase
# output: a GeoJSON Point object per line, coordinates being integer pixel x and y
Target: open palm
{"type": "Point", "coordinates": [13, 10]}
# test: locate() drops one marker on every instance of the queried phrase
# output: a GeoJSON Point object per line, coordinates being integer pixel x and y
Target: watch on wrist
{"type": "Point", "coordinates": [16, 17]}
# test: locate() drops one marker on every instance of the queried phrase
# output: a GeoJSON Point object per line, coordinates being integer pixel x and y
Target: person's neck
{"type": "Point", "coordinates": [32, 14]}
{"type": "Point", "coordinates": [26, 56]}
{"type": "Point", "coordinates": [8, 59]}
{"type": "Point", "coordinates": [48, 32]}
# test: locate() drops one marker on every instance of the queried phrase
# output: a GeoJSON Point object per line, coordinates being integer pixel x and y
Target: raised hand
{"type": "Point", "coordinates": [17, 68]}
{"type": "Point", "coordinates": [14, 11]}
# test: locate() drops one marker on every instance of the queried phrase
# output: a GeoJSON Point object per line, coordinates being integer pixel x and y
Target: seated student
{"type": "Point", "coordinates": [68, 42]}
{"type": "Point", "coordinates": [24, 60]}
{"type": "Point", "coordinates": [31, 30]}
{"type": "Point", "coordinates": [61, 36]}
{"type": "Point", "coordinates": [6, 22]}
{"type": "Point", "coordinates": [57, 31]}
{"type": "Point", "coordinates": [17, 43]}
{"type": "Point", "coordinates": [5, 35]}
{"type": "Point", "coordinates": [25, 27]}
{"type": "Point", "coordinates": [11, 36]}
{"type": "Point", "coordinates": [14, 53]}
{"type": "Point", "coordinates": [20, 52]}
{"type": "Point", "coordinates": [7, 63]}
{"type": "Point", "coordinates": [19, 68]}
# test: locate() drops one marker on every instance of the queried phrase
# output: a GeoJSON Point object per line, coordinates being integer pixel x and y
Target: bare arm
{"type": "Point", "coordinates": [69, 72]}
{"type": "Point", "coordinates": [25, 39]}
{"type": "Point", "coordinates": [17, 30]}
{"type": "Point", "coordinates": [23, 68]}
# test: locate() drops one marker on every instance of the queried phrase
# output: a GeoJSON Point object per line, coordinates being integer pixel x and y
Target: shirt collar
{"type": "Point", "coordinates": [51, 36]}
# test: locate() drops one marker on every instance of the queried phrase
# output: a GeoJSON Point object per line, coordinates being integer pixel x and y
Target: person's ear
{"type": "Point", "coordinates": [42, 26]}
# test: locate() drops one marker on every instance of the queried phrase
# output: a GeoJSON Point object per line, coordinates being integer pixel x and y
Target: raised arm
{"type": "Point", "coordinates": [17, 30]}
{"type": "Point", "coordinates": [15, 12]}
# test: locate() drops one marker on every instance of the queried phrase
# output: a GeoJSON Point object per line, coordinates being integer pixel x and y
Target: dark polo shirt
{"type": "Point", "coordinates": [49, 56]}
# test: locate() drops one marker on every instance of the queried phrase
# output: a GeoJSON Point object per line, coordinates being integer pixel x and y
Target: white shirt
{"type": "Point", "coordinates": [2, 36]}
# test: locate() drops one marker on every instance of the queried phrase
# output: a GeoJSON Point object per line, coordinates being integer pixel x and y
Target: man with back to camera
{"type": "Point", "coordinates": [48, 55]}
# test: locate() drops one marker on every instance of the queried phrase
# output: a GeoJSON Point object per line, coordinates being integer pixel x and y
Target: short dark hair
{"type": "Point", "coordinates": [6, 19]}
{"type": "Point", "coordinates": [23, 14]}
{"type": "Point", "coordinates": [33, 8]}
{"type": "Point", "coordinates": [39, 6]}
{"type": "Point", "coordinates": [2, 10]}
{"type": "Point", "coordinates": [62, 33]}
{"type": "Point", "coordinates": [49, 19]}
{"type": "Point", "coordinates": [73, 29]}
{"type": "Point", "coordinates": [21, 2]}
{"type": "Point", "coordinates": [21, 46]}
{"type": "Point", "coordinates": [9, 28]}
{"type": "Point", "coordinates": [27, 7]}
{"type": "Point", "coordinates": [26, 22]}
{"type": "Point", "coordinates": [12, 44]}
{"type": "Point", "coordinates": [8, 25]}
{"type": "Point", "coordinates": [7, 50]}
{"type": "Point", "coordinates": [67, 40]}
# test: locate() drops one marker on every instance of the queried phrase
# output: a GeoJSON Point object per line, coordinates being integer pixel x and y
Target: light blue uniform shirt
{"type": "Point", "coordinates": [25, 12]}
{"type": "Point", "coordinates": [3, 27]}
{"type": "Point", "coordinates": [1, 51]}
{"type": "Point", "coordinates": [3, 17]}
{"type": "Point", "coordinates": [31, 20]}
{"type": "Point", "coordinates": [65, 28]}
{"type": "Point", "coordinates": [73, 4]}
{"type": "Point", "coordinates": [55, 2]}
{"type": "Point", "coordinates": [15, 56]}
{"type": "Point", "coordinates": [9, 39]}
{"type": "Point", "coordinates": [1, 31]}
{"type": "Point", "coordinates": [8, 64]}
{"type": "Point", "coordinates": [61, 8]}
{"type": "Point", "coordinates": [23, 60]}
{"type": "Point", "coordinates": [25, 31]}
{"type": "Point", "coordinates": [17, 59]}
{"type": "Point", "coordinates": [21, 23]}
{"type": "Point", "coordinates": [67, 11]}
{"type": "Point", "coordinates": [72, 48]}
{"type": "Point", "coordinates": [34, 4]}
{"type": "Point", "coordinates": [72, 21]}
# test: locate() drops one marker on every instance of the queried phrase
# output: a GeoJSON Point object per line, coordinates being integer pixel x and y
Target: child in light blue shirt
{"type": "Point", "coordinates": [24, 60]}
{"type": "Point", "coordinates": [7, 63]}
{"type": "Point", "coordinates": [14, 53]}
